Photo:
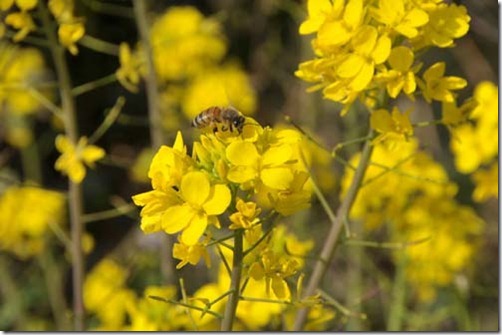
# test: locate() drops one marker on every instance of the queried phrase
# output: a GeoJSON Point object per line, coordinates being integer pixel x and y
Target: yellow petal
{"type": "Point", "coordinates": [26, 4]}
{"type": "Point", "coordinates": [277, 155]}
{"type": "Point", "coordinates": [241, 174]}
{"type": "Point", "coordinates": [176, 218]}
{"type": "Point", "coordinates": [277, 178]}
{"type": "Point", "coordinates": [76, 171]}
{"type": "Point", "coordinates": [218, 200]}
{"type": "Point", "coordinates": [279, 287]}
{"type": "Point", "coordinates": [401, 58]}
{"type": "Point", "coordinates": [92, 153]}
{"type": "Point", "coordinates": [195, 229]}
{"type": "Point", "coordinates": [63, 144]}
{"type": "Point", "coordinates": [242, 153]}
{"type": "Point", "coordinates": [195, 187]}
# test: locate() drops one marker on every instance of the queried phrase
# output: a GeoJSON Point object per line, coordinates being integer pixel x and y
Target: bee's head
{"type": "Point", "coordinates": [238, 123]}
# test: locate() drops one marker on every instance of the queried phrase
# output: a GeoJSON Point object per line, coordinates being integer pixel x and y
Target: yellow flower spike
{"type": "Point", "coordinates": [21, 21]}
{"type": "Point", "coordinates": [72, 159]}
{"type": "Point", "coordinates": [69, 33]}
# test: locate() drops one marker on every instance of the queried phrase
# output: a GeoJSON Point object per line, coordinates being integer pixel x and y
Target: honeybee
{"type": "Point", "coordinates": [220, 119]}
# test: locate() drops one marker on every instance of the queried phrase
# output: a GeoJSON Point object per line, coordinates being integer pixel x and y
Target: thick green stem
{"type": "Point", "coordinates": [75, 190]}
{"type": "Point", "coordinates": [334, 233]}
{"type": "Point", "coordinates": [156, 133]}
{"type": "Point", "coordinates": [233, 300]}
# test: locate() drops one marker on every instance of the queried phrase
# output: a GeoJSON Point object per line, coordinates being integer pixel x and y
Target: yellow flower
{"type": "Point", "coordinates": [72, 159]}
{"type": "Point", "coordinates": [169, 165]}
{"type": "Point", "coordinates": [487, 182]}
{"type": "Point", "coordinates": [250, 168]}
{"type": "Point", "coordinates": [184, 43]}
{"type": "Point", "coordinates": [202, 203]}
{"type": "Point", "coordinates": [70, 33]}
{"type": "Point", "coordinates": [21, 68]}
{"type": "Point", "coordinates": [246, 215]}
{"type": "Point", "coordinates": [453, 115]}
{"type": "Point", "coordinates": [190, 254]}
{"type": "Point", "coordinates": [438, 87]}
{"type": "Point", "coordinates": [404, 20]}
{"type": "Point", "coordinates": [395, 126]}
{"type": "Point", "coordinates": [228, 84]}
{"type": "Point", "coordinates": [401, 76]}
{"type": "Point", "coordinates": [128, 74]}
{"type": "Point", "coordinates": [26, 214]}
{"type": "Point", "coordinates": [446, 23]}
{"type": "Point", "coordinates": [106, 295]}
{"type": "Point", "coordinates": [318, 12]}
{"type": "Point", "coordinates": [21, 21]}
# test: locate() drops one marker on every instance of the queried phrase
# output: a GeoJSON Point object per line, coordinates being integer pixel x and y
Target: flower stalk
{"type": "Point", "coordinates": [233, 300]}
{"type": "Point", "coordinates": [75, 190]}
{"type": "Point", "coordinates": [336, 228]}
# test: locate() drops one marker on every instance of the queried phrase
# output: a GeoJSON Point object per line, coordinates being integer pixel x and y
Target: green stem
{"type": "Point", "coordinates": [52, 275]}
{"type": "Point", "coordinates": [98, 45]}
{"type": "Point", "coordinates": [108, 121]}
{"type": "Point", "coordinates": [31, 163]}
{"type": "Point", "coordinates": [92, 85]}
{"type": "Point", "coordinates": [397, 305]}
{"type": "Point", "coordinates": [335, 231]}
{"type": "Point", "coordinates": [75, 190]}
{"type": "Point", "coordinates": [233, 300]}
{"type": "Point", "coordinates": [156, 133]}
{"type": "Point", "coordinates": [13, 309]}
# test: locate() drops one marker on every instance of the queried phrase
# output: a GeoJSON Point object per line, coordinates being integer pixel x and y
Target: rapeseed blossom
{"type": "Point", "coordinates": [73, 157]}
{"type": "Point", "coordinates": [71, 29]}
{"type": "Point", "coordinates": [190, 193]}
{"type": "Point", "coordinates": [474, 144]}
{"type": "Point", "coordinates": [26, 215]}
{"type": "Point", "coordinates": [361, 46]}
{"type": "Point", "coordinates": [423, 211]}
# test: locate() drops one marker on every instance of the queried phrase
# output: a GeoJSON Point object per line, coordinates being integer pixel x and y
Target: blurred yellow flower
{"type": "Point", "coordinates": [487, 183]}
{"type": "Point", "coordinates": [21, 21]}
{"type": "Point", "coordinates": [436, 86]}
{"type": "Point", "coordinates": [394, 126]}
{"type": "Point", "coordinates": [128, 74]}
{"type": "Point", "coordinates": [73, 157]}
{"type": "Point", "coordinates": [184, 42]}
{"type": "Point", "coordinates": [106, 295]}
{"type": "Point", "coordinates": [69, 33]}
{"type": "Point", "coordinates": [21, 69]}
{"type": "Point", "coordinates": [229, 86]}
{"type": "Point", "coordinates": [26, 214]}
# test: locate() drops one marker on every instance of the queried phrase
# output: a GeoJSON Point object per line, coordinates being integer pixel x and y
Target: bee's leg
{"type": "Point", "coordinates": [231, 128]}
{"type": "Point", "coordinates": [215, 129]}
{"type": "Point", "coordinates": [223, 128]}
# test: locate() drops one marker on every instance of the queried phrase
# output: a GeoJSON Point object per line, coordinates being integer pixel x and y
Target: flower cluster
{"type": "Point", "coordinates": [440, 234]}
{"type": "Point", "coordinates": [362, 46]}
{"type": "Point", "coordinates": [71, 28]}
{"type": "Point", "coordinates": [188, 51]}
{"type": "Point", "coordinates": [475, 143]}
{"type": "Point", "coordinates": [190, 193]}
{"type": "Point", "coordinates": [26, 214]}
